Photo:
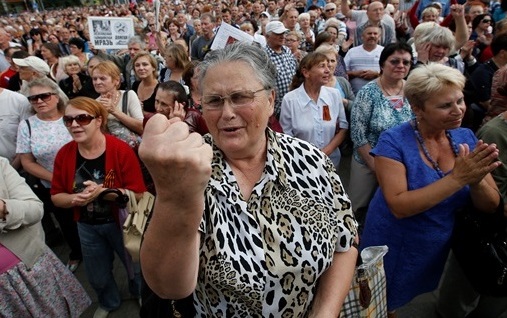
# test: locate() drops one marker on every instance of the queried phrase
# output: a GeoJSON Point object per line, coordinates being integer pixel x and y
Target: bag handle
{"type": "Point", "coordinates": [125, 100]}
{"type": "Point", "coordinates": [121, 199]}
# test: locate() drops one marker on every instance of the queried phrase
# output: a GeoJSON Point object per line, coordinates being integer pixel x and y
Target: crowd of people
{"type": "Point", "coordinates": [243, 147]}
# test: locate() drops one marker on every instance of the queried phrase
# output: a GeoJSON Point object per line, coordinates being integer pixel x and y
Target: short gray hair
{"type": "Point", "coordinates": [303, 16]}
{"type": "Point", "coordinates": [426, 81]}
{"type": "Point", "coordinates": [69, 59]}
{"type": "Point", "coordinates": [137, 40]}
{"type": "Point", "coordinates": [49, 83]}
{"type": "Point", "coordinates": [436, 35]}
{"type": "Point", "coordinates": [255, 57]}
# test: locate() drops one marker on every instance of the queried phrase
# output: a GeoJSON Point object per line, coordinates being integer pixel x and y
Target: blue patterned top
{"type": "Point", "coordinates": [373, 113]}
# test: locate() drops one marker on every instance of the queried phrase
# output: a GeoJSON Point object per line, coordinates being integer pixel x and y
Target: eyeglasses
{"type": "Point", "coordinates": [152, 25]}
{"type": "Point", "coordinates": [236, 99]}
{"type": "Point", "coordinates": [81, 120]}
{"type": "Point", "coordinates": [44, 97]}
{"type": "Point", "coordinates": [486, 21]}
{"type": "Point", "coordinates": [329, 10]}
{"type": "Point", "coordinates": [396, 62]}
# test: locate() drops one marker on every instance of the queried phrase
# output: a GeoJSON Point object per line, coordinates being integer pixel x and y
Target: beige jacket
{"type": "Point", "coordinates": [21, 232]}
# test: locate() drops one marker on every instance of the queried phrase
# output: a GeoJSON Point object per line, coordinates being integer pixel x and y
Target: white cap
{"type": "Point", "coordinates": [34, 62]}
{"type": "Point", "coordinates": [276, 27]}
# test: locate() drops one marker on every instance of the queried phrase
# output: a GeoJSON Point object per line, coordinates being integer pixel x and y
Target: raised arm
{"type": "Point", "coordinates": [471, 168]}
{"type": "Point", "coordinates": [461, 34]}
{"type": "Point", "coordinates": [181, 166]}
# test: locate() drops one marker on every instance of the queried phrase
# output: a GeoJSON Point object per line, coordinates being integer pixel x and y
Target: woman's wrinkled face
{"type": "Point", "coordinates": [72, 68]}
{"type": "Point", "coordinates": [239, 131]}
{"type": "Point", "coordinates": [438, 52]}
{"type": "Point", "coordinates": [397, 65]}
{"type": "Point", "coordinates": [164, 102]}
{"type": "Point", "coordinates": [318, 74]}
{"type": "Point", "coordinates": [103, 83]}
{"type": "Point", "coordinates": [45, 101]}
{"type": "Point", "coordinates": [332, 61]}
{"type": "Point", "coordinates": [292, 42]}
{"type": "Point", "coordinates": [82, 132]}
{"type": "Point", "coordinates": [444, 110]}
{"type": "Point", "coordinates": [304, 23]}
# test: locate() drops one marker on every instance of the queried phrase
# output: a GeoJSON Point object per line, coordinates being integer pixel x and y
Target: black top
{"type": "Point", "coordinates": [87, 89]}
{"type": "Point", "coordinates": [148, 104]}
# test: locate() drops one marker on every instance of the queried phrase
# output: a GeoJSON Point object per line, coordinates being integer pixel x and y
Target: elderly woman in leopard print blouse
{"type": "Point", "coordinates": [253, 223]}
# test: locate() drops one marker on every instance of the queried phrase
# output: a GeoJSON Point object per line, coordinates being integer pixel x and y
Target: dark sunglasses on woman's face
{"type": "Point", "coordinates": [395, 62]}
{"type": "Point", "coordinates": [44, 97]}
{"type": "Point", "coordinates": [81, 120]}
{"type": "Point", "coordinates": [486, 21]}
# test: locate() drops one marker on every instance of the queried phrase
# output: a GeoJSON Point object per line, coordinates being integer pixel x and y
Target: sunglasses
{"type": "Point", "coordinates": [81, 120]}
{"type": "Point", "coordinates": [44, 97]}
{"type": "Point", "coordinates": [486, 21]}
{"type": "Point", "coordinates": [329, 10]}
{"type": "Point", "coordinates": [396, 62]}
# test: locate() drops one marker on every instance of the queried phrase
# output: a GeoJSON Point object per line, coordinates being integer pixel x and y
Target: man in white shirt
{"type": "Point", "coordinates": [373, 15]}
{"type": "Point", "coordinates": [15, 108]}
{"type": "Point", "coordinates": [361, 61]}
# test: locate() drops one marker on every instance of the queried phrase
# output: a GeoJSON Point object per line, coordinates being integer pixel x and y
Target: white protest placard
{"type": "Point", "coordinates": [228, 34]}
{"type": "Point", "coordinates": [157, 15]}
{"type": "Point", "coordinates": [110, 33]}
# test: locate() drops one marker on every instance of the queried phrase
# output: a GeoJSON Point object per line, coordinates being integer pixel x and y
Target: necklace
{"type": "Point", "coordinates": [427, 153]}
{"type": "Point", "coordinates": [116, 99]}
{"type": "Point", "coordinates": [385, 90]}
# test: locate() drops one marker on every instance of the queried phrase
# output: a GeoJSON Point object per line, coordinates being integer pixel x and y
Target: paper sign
{"type": "Point", "coordinates": [110, 33]}
{"type": "Point", "coordinates": [228, 34]}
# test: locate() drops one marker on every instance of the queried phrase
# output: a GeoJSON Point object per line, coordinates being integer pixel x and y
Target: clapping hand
{"type": "Point", "coordinates": [472, 166]}
{"type": "Point", "coordinates": [107, 100]}
{"type": "Point", "coordinates": [76, 83]}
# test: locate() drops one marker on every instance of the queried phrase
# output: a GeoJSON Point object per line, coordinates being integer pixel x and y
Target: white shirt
{"type": "Point", "coordinates": [302, 118]}
{"type": "Point", "coordinates": [358, 58]}
{"type": "Point", "coordinates": [15, 108]}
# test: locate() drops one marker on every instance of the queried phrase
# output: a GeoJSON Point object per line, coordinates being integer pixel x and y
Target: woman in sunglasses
{"type": "Point", "coordinates": [379, 105]}
{"type": "Point", "coordinates": [40, 137]}
{"type": "Point", "coordinates": [91, 163]}
{"type": "Point", "coordinates": [482, 33]}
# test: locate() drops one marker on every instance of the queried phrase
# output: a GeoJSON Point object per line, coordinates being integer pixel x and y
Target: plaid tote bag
{"type": "Point", "coordinates": [367, 295]}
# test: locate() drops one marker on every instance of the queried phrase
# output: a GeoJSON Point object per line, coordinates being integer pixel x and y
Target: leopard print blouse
{"type": "Point", "coordinates": [263, 257]}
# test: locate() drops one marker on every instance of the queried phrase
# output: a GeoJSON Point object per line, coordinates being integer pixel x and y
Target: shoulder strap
{"type": "Point", "coordinates": [29, 127]}
{"type": "Point", "coordinates": [125, 101]}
